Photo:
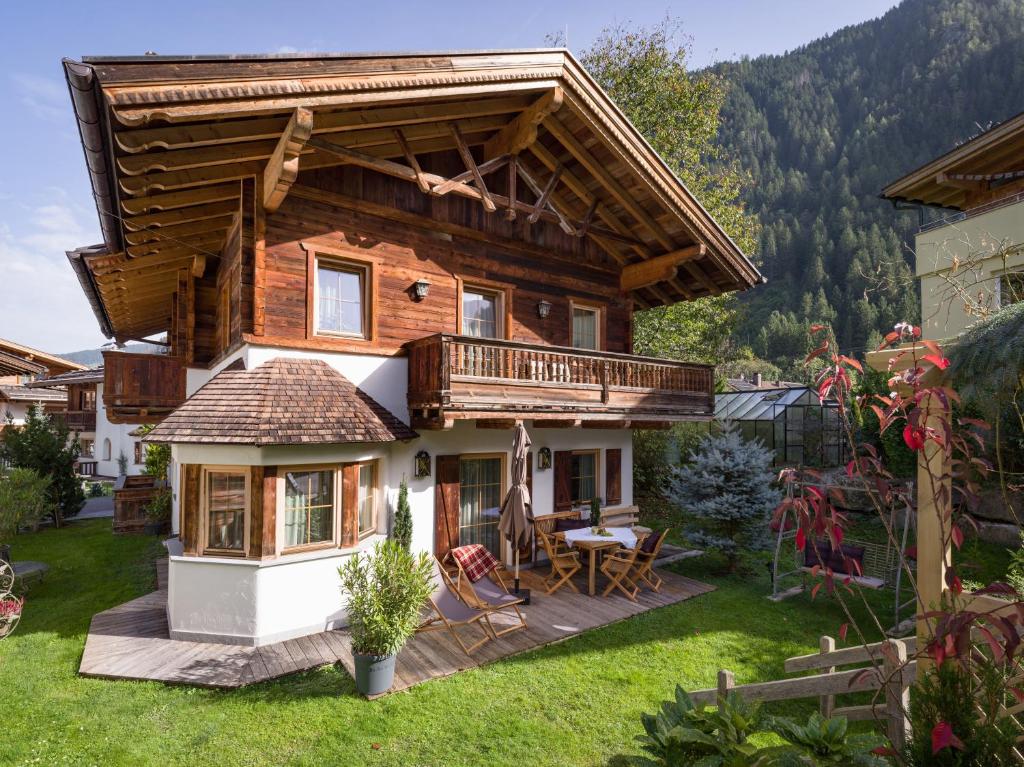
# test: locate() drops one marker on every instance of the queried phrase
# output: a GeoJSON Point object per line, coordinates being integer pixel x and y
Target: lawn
{"type": "Point", "coordinates": [574, 703]}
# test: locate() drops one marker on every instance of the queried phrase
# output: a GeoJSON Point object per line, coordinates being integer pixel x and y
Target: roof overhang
{"type": "Point", "coordinates": [985, 166]}
{"type": "Point", "coordinates": [40, 359]}
{"type": "Point", "coordinates": [168, 139]}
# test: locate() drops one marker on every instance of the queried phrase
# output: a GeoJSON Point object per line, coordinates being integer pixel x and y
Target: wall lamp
{"type": "Point", "coordinates": [543, 309]}
{"type": "Point", "coordinates": [420, 289]}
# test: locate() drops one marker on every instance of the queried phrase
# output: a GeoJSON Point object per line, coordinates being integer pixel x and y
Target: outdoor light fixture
{"type": "Point", "coordinates": [544, 458]}
{"type": "Point", "coordinates": [543, 309]}
{"type": "Point", "coordinates": [422, 464]}
{"type": "Point", "coordinates": [421, 288]}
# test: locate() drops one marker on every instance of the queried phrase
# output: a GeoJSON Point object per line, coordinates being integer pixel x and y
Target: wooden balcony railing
{"type": "Point", "coordinates": [452, 377]}
{"type": "Point", "coordinates": [141, 388]}
{"type": "Point", "coordinates": [80, 420]}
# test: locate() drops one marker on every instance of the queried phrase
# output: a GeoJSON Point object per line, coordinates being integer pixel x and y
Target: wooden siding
{"type": "Point", "coordinates": [442, 239]}
{"type": "Point", "coordinates": [141, 388]}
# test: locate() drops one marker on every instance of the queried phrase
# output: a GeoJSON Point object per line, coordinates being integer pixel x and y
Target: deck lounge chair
{"type": "Point", "coordinates": [564, 564]}
{"type": "Point", "coordinates": [451, 613]}
{"type": "Point", "coordinates": [480, 584]}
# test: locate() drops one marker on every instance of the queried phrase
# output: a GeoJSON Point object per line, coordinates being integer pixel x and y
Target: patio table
{"type": "Point", "coordinates": [588, 541]}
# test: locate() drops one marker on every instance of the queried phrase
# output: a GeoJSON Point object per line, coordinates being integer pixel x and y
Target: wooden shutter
{"type": "Point", "coordinates": [563, 480]}
{"type": "Point", "coordinates": [263, 512]}
{"type": "Point", "coordinates": [613, 476]}
{"type": "Point", "coordinates": [188, 507]}
{"type": "Point", "coordinates": [350, 504]}
{"type": "Point", "coordinates": [446, 504]}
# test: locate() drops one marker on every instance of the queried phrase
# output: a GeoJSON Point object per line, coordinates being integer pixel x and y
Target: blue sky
{"type": "Point", "coordinates": [45, 201]}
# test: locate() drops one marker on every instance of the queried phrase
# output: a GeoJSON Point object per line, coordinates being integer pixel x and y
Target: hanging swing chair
{"type": "Point", "coordinates": [878, 565]}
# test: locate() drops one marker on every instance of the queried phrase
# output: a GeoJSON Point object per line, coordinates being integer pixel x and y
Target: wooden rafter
{"type": "Point", "coordinates": [483, 169]}
{"type": "Point", "coordinates": [181, 215]}
{"type": "Point", "coordinates": [539, 209]}
{"type": "Point", "coordinates": [513, 175]}
{"type": "Point", "coordinates": [522, 131]}
{"type": "Point", "coordinates": [283, 165]}
{"type": "Point", "coordinates": [545, 196]}
{"type": "Point", "coordinates": [410, 157]}
{"type": "Point", "coordinates": [186, 229]}
{"type": "Point", "coordinates": [658, 269]}
{"type": "Point", "coordinates": [173, 200]}
{"type": "Point", "coordinates": [211, 241]}
{"type": "Point", "coordinates": [471, 166]}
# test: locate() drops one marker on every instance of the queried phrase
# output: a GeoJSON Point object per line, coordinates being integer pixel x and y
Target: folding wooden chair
{"type": "Point", "coordinates": [450, 612]}
{"type": "Point", "coordinates": [647, 553]}
{"type": "Point", "coordinates": [488, 593]}
{"type": "Point", "coordinates": [616, 568]}
{"type": "Point", "coordinates": [564, 564]}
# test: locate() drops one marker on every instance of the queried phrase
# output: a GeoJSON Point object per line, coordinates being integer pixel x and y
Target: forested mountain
{"type": "Point", "coordinates": [823, 128]}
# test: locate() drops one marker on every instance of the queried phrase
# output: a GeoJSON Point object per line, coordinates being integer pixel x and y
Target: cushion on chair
{"type": "Point", "coordinates": [650, 543]}
{"type": "Point", "coordinates": [561, 525]}
{"type": "Point", "coordinates": [475, 560]}
{"type": "Point", "coordinates": [834, 559]}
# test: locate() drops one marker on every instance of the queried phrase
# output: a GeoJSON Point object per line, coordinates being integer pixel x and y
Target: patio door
{"type": "Point", "coordinates": [481, 482]}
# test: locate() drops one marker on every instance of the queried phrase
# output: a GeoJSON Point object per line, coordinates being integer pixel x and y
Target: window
{"type": "Point", "coordinates": [1011, 288]}
{"type": "Point", "coordinates": [480, 493]}
{"type": "Point", "coordinates": [481, 313]}
{"type": "Point", "coordinates": [226, 502]}
{"type": "Point", "coordinates": [586, 332]}
{"type": "Point", "coordinates": [583, 475]}
{"type": "Point", "coordinates": [340, 294]}
{"type": "Point", "coordinates": [366, 499]}
{"type": "Point", "coordinates": [106, 450]}
{"type": "Point", "coordinates": [87, 399]}
{"type": "Point", "coordinates": [86, 447]}
{"type": "Point", "coordinates": [139, 460]}
{"type": "Point", "coordinates": [309, 502]}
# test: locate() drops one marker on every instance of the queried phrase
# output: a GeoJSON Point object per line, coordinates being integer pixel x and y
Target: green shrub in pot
{"type": "Point", "coordinates": [384, 593]}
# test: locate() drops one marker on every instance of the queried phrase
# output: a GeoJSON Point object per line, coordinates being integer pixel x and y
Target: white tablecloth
{"type": "Point", "coordinates": [623, 535]}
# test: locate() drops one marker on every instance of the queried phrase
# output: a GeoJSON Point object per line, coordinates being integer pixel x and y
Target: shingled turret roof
{"type": "Point", "coordinates": [281, 402]}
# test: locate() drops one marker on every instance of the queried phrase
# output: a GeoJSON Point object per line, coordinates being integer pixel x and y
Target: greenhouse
{"type": "Point", "coordinates": [792, 421]}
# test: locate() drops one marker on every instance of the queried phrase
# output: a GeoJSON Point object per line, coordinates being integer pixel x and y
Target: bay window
{"type": "Point", "coordinates": [309, 503]}
{"type": "Point", "coordinates": [226, 503]}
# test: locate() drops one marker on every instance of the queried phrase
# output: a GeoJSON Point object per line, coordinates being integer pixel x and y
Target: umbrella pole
{"type": "Point", "coordinates": [524, 593]}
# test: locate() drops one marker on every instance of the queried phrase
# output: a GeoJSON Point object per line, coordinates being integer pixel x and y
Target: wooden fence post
{"type": "Point", "coordinates": [897, 693]}
{"type": "Point", "coordinates": [827, 702]}
{"type": "Point", "coordinates": [726, 681]}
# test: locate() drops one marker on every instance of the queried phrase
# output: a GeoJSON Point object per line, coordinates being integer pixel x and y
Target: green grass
{"type": "Point", "coordinates": [574, 703]}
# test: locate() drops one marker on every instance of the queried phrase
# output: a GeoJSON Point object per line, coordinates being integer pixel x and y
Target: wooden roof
{"type": "Point", "coordinates": [84, 376]}
{"type": "Point", "coordinates": [281, 402]}
{"type": "Point", "coordinates": [167, 140]}
{"type": "Point", "coordinates": [986, 167]}
{"type": "Point", "coordinates": [40, 359]}
{"type": "Point", "coordinates": [13, 365]}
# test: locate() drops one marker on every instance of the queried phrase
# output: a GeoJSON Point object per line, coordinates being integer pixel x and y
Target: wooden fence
{"type": "Point", "coordinates": [879, 666]}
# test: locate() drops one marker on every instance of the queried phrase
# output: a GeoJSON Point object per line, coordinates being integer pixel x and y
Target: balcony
{"type": "Point", "coordinates": [141, 388]}
{"type": "Point", "coordinates": [459, 377]}
{"type": "Point", "coordinates": [80, 420]}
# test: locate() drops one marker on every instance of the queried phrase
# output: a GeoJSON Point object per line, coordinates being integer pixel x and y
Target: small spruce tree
{"type": "Point", "coordinates": [727, 490]}
{"type": "Point", "coordinates": [403, 518]}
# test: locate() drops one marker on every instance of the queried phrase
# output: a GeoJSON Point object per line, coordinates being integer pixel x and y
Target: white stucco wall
{"type": "Point", "coordinates": [120, 441]}
{"type": "Point", "coordinates": [222, 599]}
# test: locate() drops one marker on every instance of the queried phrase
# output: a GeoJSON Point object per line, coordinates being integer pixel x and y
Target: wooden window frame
{"type": "Point", "coordinates": [598, 475]}
{"type": "Point", "coordinates": [139, 456]}
{"type": "Point", "coordinates": [344, 260]}
{"type": "Point", "coordinates": [601, 310]}
{"type": "Point", "coordinates": [999, 277]}
{"type": "Point", "coordinates": [503, 290]}
{"type": "Point", "coordinates": [362, 535]}
{"type": "Point", "coordinates": [282, 508]}
{"type": "Point", "coordinates": [505, 478]}
{"type": "Point", "coordinates": [204, 511]}
{"type": "Point", "coordinates": [108, 449]}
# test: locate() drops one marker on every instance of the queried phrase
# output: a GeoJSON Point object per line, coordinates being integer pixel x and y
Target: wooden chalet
{"type": "Point", "coordinates": [463, 238]}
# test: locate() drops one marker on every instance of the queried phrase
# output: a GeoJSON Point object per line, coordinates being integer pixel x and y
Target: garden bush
{"type": "Point", "coordinates": [24, 501]}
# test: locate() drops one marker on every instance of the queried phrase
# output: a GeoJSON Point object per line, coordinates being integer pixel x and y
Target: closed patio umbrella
{"type": "Point", "coordinates": [516, 522]}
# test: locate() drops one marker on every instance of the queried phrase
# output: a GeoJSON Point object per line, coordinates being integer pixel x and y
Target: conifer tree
{"type": "Point", "coordinates": [403, 518]}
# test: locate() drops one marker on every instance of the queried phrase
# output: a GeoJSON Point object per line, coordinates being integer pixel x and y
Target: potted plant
{"type": "Point", "coordinates": [595, 513]}
{"type": "Point", "coordinates": [158, 513]}
{"type": "Point", "coordinates": [384, 593]}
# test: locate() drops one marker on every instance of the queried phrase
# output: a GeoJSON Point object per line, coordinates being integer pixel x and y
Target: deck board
{"type": "Point", "coordinates": [131, 641]}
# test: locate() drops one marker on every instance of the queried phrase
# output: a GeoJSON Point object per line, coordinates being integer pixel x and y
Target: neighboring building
{"type": "Point", "coordinates": [981, 184]}
{"type": "Point", "coordinates": [757, 381]}
{"type": "Point", "coordinates": [368, 269]}
{"type": "Point", "coordinates": [16, 400]}
{"type": "Point", "coordinates": [19, 366]}
{"type": "Point", "coordinates": [103, 442]}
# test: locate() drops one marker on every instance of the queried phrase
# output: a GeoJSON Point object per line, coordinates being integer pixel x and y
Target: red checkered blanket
{"type": "Point", "coordinates": [475, 560]}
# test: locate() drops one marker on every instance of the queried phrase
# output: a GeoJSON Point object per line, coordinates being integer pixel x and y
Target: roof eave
{"type": "Point", "coordinates": [88, 283]}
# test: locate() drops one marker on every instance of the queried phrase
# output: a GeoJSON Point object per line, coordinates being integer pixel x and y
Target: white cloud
{"type": "Point", "coordinates": [41, 302]}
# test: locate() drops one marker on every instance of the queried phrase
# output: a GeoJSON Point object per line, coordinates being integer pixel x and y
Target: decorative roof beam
{"type": "Point", "coordinates": [545, 196]}
{"type": "Point", "coordinates": [283, 165]}
{"type": "Point", "coordinates": [522, 131]}
{"type": "Point", "coordinates": [470, 163]}
{"type": "Point", "coordinates": [410, 157]}
{"type": "Point", "coordinates": [483, 169]}
{"type": "Point", "coordinates": [658, 269]}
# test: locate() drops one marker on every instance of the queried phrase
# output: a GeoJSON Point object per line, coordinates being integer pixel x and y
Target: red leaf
{"type": "Point", "coordinates": [801, 540]}
{"type": "Point", "coordinates": [884, 751]}
{"type": "Point", "coordinates": [842, 631]}
{"type": "Point", "coordinates": [958, 536]}
{"type": "Point", "coordinates": [943, 737]}
{"type": "Point", "coordinates": [852, 363]}
{"type": "Point", "coordinates": [913, 436]}
{"type": "Point", "coordinates": [815, 590]}
{"type": "Point", "coordinates": [938, 361]}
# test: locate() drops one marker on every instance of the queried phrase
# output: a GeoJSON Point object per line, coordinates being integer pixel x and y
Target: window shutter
{"type": "Point", "coordinates": [446, 504]}
{"type": "Point", "coordinates": [613, 476]}
{"type": "Point", "coordinates": [349, 504]}
{"type": "Point", "coordinates": [188, 507]}
{"type": "Point", "coordinates": [563, 480]}
{"type": "Point", "coordinates": [263, 512]}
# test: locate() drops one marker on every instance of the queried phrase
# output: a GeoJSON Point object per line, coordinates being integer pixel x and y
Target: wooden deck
{"type": "Point", "coordinates": [131, 641]}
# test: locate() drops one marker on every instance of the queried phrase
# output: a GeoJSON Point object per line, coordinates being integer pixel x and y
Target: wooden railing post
{"type": "Point", "coordinates": [726, 681]}
{"type": "Point", "coordinates": [827, 703]}
{"type": "Point", "coordinates": [897, 692]}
